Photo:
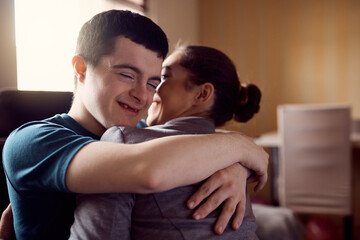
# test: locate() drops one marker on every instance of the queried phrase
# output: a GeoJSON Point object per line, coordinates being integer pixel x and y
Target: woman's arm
{"type": "Point", "coordinates": [160, 164]}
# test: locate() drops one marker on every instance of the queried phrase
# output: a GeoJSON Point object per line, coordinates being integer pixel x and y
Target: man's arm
{"type": "Point", "coordinates": [227, 186]}
{"type": "Point", "coordinates": [160, 164]}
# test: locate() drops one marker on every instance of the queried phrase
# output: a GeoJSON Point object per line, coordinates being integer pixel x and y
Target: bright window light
{"type": "Point", "coordinates": [46, 33]}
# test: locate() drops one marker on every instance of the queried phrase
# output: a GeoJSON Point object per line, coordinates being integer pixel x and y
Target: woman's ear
{"type": "Point", "coordinates": [79, 67]}
{"type": "Point", "coordinates": [204, 93]}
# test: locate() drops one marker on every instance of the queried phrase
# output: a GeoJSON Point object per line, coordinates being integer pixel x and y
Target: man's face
{"type": "Point", "coordinates": [119, 90]}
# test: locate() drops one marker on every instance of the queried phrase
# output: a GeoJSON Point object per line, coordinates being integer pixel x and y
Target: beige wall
{"type": "Point", "coordinates": [296, 51]}
{"type": "Point", "coordinates": [178, 18]}
{"type": "Point", "coordinates": [7, 45]}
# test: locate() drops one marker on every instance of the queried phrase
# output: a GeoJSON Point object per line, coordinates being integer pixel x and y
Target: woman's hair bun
{"type": "Point", "coordinates": [248, 103]}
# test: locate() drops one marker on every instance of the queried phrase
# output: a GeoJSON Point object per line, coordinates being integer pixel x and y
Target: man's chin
{"type": "Point", "coordinates": [128, 123]}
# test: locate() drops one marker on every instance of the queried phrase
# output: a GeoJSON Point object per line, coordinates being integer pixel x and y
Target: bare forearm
{"type": "Point", "coordinates": [153, 166]}
{"type": "Point", "coordinates": [191, 159]}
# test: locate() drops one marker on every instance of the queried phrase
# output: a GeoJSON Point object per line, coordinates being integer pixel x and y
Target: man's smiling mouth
{"type": "Point", "coordinates": [127, 107]}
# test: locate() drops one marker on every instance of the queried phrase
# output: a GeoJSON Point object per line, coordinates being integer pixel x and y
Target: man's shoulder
{"type": "Point", "coordinates": [54, 127]}
{"type": "Point", "coordinates": [34, 129]}
{"type": "Point", "coordinates": [41, 147]}
{"type": "Point", "coordinates": [36, 139]}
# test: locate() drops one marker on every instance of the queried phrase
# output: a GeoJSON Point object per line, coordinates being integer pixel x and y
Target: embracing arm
{"type": "Point", "coordinates": [160, 164]}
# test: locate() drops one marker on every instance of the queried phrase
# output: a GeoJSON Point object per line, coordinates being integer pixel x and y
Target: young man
{"type": "Point", "coordinates": [117, 68]}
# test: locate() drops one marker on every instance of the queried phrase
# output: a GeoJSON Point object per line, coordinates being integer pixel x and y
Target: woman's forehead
{"type": "Point", "coordinates": [172, 59]}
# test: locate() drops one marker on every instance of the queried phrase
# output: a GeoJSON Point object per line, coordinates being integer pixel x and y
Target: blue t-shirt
{"type": "Point", "coordinates": [36, 157]}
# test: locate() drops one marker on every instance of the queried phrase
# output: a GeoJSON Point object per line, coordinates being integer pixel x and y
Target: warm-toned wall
{"type": "Point", "coordinates": [179, 19]}
{"type": "Point", "coordinates": [7, 45]}
{"type": "Point", "coordinates": [295, 51]}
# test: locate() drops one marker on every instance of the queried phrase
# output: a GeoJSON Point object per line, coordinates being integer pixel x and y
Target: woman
{"type": "Point", "coordinates": [200, 90]}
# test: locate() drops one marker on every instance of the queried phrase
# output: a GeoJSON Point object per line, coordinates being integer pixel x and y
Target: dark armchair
{"type": "Point", "coordinates": [18, 107]}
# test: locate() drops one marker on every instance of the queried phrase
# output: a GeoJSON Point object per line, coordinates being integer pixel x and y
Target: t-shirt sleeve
{"type": "Point", "coordinates": [37, 155]}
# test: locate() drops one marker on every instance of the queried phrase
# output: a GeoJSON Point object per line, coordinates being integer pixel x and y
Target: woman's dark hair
{"type": "Point", "coordinates": [232, 100]}
{"type": "Point", "coordinates": [96, 37]}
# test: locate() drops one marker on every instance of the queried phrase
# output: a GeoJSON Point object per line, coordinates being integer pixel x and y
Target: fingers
{"type": "Point", "coordinates": [6, 224]}
{"type": "Point", "coordinates": [205, 190]}
{"type": "Point", "coordinates": [240, 213]}
{"type": "Point", "coordinates": [226, 186]}
{"type": "Point", "coordinates": [261, 183]}
{"type": "Point", "coordinates": [224, 218]}
{"type": "Point", "coordinates": [230, 207]}
{"type": "Point", "coordinates": [211, 204]}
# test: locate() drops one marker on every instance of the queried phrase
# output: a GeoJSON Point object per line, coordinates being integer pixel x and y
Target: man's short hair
{"type": "Point", "coordinates": [97, 36]}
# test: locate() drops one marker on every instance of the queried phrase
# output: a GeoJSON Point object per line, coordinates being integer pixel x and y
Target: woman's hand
{"type": "Point", "coordinates": [226, 186]}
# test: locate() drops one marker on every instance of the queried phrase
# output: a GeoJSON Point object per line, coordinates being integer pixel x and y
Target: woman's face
{"type": "Point", "coordinates": [172, 98]}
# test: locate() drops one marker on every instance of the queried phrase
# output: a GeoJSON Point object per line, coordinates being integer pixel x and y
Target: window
{"type": "Point", "coordinates": [46, 33]}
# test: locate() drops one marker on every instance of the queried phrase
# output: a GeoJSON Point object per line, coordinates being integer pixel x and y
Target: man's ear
{"type": "Point", "coordinates": [79, 67]}
{"type": "Point", "coordinates": [204, 93]}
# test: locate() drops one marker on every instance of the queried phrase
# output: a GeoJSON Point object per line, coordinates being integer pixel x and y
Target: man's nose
{"type": "Point", "coordinates": [139, 92]}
